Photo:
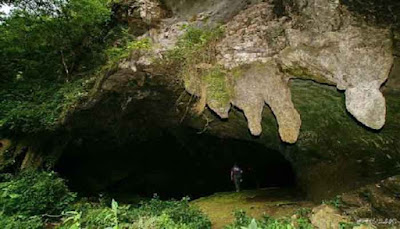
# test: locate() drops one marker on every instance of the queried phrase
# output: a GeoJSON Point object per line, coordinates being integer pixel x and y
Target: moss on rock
{"type": "Point", "coordinates": [218, 91]}
{"type": "Point", "coordinates": [303, 73]}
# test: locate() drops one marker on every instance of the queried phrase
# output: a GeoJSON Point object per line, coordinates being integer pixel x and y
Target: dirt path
{"type": "Point", "coordinates": [275, 202]}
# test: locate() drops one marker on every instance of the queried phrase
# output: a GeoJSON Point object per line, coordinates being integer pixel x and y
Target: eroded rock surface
{"type": "Point", "coordinates": [321, 42]}
{"type": "Point", "coordinates": [354, 59]}
{"type": "Point", "coordinates": [264, 83]}
{"type": "Point", "coordinates": [256, 34]}
{"type": "Point", "coordinates": [318, 40]}
{"type": "Point", "coordinates": [147, 11]}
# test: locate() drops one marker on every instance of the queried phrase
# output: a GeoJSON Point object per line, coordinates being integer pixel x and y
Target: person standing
{"type": "Point", "coordinates": [236, 176]}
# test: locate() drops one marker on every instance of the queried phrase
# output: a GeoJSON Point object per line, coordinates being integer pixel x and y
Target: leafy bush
{"type": "Point", "coordinates": [185, 216]}
{"type": "Point", "coordinates": [151, 214]}
{"type": "Point", "coordinates": [34, 193]}
{"type": "Point", "coordinates": [52, 52]}
{"type": "Point", "coordinates": [335, 202]}
{"type": "Point", "coordinates": [241, 219]}
{"type": "Point", "coordinates": [252, 225]}
{"type": "Point", "coordinates": [31, 195]}
{"type": "Point", "coordinates": [100, 217]}
{"type": "Point", "coordinates": [13, 222]}
{"type": "Point", "coordinates": [33, 105]}
{"type": "Point", "coordinates": [53, 40]}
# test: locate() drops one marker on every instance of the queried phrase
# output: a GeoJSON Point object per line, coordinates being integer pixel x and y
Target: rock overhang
{"type": "Point", "coordinates": [334, 49]}
{"type": "Point", "coordinates": [266, 50]}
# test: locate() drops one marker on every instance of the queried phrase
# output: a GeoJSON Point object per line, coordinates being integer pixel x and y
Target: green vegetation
{"type": "Point", "coordinates": [35, 104]}
{"type": "Point", "coordinates": [54, 40]}
{"type": "Point", "coordinates": [303, 212]}
{"type": "Point", "coordinates": [196, 45]}
{"type": "Point", "coordinates": [115, 54]}
{"type": "Point", "coordinates": [303, 73]}
{"type": "Point", "coordinates": [19, 221]}
{"type": "Point", "coordinates": [151, 214]}
{"type": "Point", "coordinates": [335, 202]}
{"type": "Point", "coordinates": [218, 92]}
{"type": "Point", "coordinates": [325, 120]}
{"type": "Point", "coordinates": [34, 199]}
{"type": "Point", "coordinates": [26, 197]}
{"type": "Point", "coordinates": [34, 193]}
{"type": "Point", "coordinates": [242, 221]}
{"type": "Point", "coordinates": [277, 203]}
{"type": "Point", "coordinates": [194, 61]}
{"type": "Point", "coordinates": [325, 106]}
{"type": "Point", "coordinates": [55, 56]}
{"type": "Point", "coordinates": [52, 54]}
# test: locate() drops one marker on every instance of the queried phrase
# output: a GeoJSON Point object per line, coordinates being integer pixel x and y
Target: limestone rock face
{"type": "Point", "coordinates": [354, 59]}
{"type": "Point", "coordinates": [167, 35]}
{"type": "Point", "coordinates": [321, 42]}
{"type": "Point", "coordinates": [317, 40]}
{"type": "Point", "coordinates": [149, 11]}
{"type": "Point", "coordinates": [264, 83]}
{"type": "Point", "coordinates": [140, 15]}
{"type": "Point", "coordinates": [256, 34]}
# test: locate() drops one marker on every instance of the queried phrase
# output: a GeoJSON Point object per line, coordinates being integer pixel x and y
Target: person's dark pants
{"type": "Point", "coordinates": [237, 181]}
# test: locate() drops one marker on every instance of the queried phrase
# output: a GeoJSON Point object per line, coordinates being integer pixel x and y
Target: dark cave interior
{"type": "Point", "coordinates": [169, 165]}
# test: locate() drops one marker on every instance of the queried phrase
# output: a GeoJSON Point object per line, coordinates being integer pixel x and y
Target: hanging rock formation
{"type": "Point", "coordinates": [264, 83]}
{"type": "Point", "coordinates": [320, 41]}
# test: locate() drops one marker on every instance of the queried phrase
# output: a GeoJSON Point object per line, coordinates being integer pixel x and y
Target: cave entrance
{"type": "Point", "coordinates": [173, 164]}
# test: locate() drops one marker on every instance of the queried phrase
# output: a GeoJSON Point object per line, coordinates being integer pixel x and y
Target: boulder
{"type": "Point", "coordinates": [327, 217]}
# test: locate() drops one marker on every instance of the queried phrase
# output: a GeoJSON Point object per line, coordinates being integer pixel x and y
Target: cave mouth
{"type": "Point", "coordinates": [172, 164]}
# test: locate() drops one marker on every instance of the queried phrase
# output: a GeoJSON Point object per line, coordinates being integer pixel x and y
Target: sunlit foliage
{"type": "Point", "coordinates": [50, 53]}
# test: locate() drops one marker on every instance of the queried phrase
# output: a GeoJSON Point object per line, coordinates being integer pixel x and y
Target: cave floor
{"type": "Point", "coordinates": [275, 202]}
